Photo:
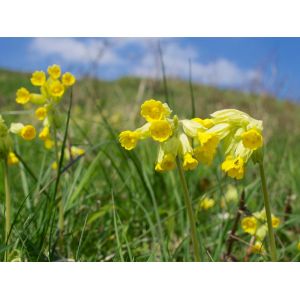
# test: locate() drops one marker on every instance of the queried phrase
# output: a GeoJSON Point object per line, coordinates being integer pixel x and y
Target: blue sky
{"type": "Point", "coordinates": [256, 64]}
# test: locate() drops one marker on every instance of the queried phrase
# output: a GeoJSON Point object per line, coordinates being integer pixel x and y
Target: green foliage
{"type": "Point", "coordinates": [117, 208]}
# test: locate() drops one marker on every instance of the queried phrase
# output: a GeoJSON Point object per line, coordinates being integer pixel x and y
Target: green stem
{"type": "Point", "coordinates": [268, 212]}
{"type": "Point", "coordinates": [60, 203]}
{"type": "Point", "coordinates": [188, 204]}
{"type": "Point", "coordinates": [7, 206]}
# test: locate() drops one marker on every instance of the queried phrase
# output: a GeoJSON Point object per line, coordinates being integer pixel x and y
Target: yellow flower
{"type": "Point", "coordinates": [54, 71]}
{"type": "Point", "coordinates": [54, 166]}
{"type": "Point", "coordinates": [129, 139]}
{"type": "Point", "coordinates": [44, 134]}
{"type": "Point", "coordinates": [22, 96]}
{"type": "Point", "coordinates": [249, 225]}
{"type": "Point", "coordinates": [38, 78]}
{"type": "Point", "coordinates": [206, 203]}
{"type": "Point", "coordinates": [234, 167]}
{"type": "Point", "coordinates": [68, 79]}
{"type": "Point", "coordinates": [275, 222]}
{"type": "Point", "coordinates": [252, 139]}
{"type": "Point", "coordinates": [189, 163]}
{"type": "Point", "coordinates": [153, 110]}
{"type": "Point", "coordinates": [48, 143]}
{"type": "Point", "coordinates": [41, 113]}
{"type": "Point", "coordinates": [28, 132]}
{"type": "Point", "coordinates": [166, 164]}
{"type": "Point", "coordinates": [160, 130]}
{"type": "Point", "coordinates": [56, 88]}
{"type": "Point", "coordinates": [258, 248]}
{"type": "Point", "coordinates": [12, 158]}
{"type": "Point", "coordinates": [298, 246]}
{"type": "Point", "coordinates": [207, 149]}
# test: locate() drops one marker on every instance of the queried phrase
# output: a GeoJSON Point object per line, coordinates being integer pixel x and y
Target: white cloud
{"type": "Point", "coordinates": [139, 56]}
{"type": "Point", "coordinates": [73, 50]}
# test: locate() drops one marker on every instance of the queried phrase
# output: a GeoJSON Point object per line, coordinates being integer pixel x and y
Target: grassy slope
{"type": "Point", "coordinates": [117, 207]}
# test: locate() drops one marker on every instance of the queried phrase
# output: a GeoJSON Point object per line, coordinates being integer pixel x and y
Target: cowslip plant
{"type": "Point", "coordinates": [175, 140]}
{"type": "Point", "coordinates": [52, 88]}
{"type": "Point", "coordinates": [9, 158]}
{"type": "Point", "coordinates": [242, 139]}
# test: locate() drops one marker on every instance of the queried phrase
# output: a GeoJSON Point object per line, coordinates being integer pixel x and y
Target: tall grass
{"type": "Point", "coordinates": [117, 208]}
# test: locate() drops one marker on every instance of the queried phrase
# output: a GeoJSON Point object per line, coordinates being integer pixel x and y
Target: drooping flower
{"type": "Point", "coordinates": [129, 139]}
{"type": "Point", "coordinates": [241, 136]}
{"type": "Point", "coordinates": [174, 136]}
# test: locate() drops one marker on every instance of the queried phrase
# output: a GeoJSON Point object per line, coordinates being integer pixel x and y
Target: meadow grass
{"type": "Point", "coordinates": [116, 207]}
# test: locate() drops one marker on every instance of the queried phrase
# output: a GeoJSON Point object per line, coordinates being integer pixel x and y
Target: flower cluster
{"type": "Point", "coordinates": [51, 91]}
{"type": "Point", "coordinates": [241, 135]}
{"type": "Point", "coordinates": [27, 132]}
{"type": "Point", "coordinates": [173, 135]}
{"type": "Point", "coordinates": [256, 224]}
{"type": "Point", "coordinates": [196, 140]}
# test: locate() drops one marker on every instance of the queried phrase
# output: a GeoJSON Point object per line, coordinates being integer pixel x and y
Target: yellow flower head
{"type": "Point", "coordinates": [252, 139]}
{"type": "Point", "coordinates": [153, 110]}
{"type": "Point", "coordinates": [206, 203]}
{"type": "Point", "coordinates": [258, 248]}
{"type": "Point", "coordinates": [54, 71]}
{"type": "Point", "coordinates": [167, 164]}
{"type": "Point", "coordinates": [249, 225]}
{"type": "Point", "coordinates": [189, 162]}
{"type": "Point", "coordinates": [41, 113]}
{"type": "Point", "coordinates": [12, 158]}
{"type": "Point", "coordinates": [160, 130]}
{"type": "Point", "coordinates": [38, 78]}
{"type": "Point", "coordinates": [129, 139]}
{"type": "Point", "coordinates": [48, 143]}
{"type": "Point", "coordinates": [22, 96]}
{"type": "Point", "coordinates": [208, 146]}
{"type": "Point", "coordinates": [68, 79]}
{"type": "Point", "coordinates": [298, 246]}
{"type": "Point", "coordinates": [56, 89]}
{"type": "Point", "coordinates": [275, 222]}
{"type": "Point", "coordinates": [44, 134]}
{"type": "Point", "coordinates": [28, 132]}
{"type": "Point", "coordinates": [234, 167]}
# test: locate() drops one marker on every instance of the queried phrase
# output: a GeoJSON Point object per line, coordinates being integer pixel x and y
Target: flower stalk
{"type": "Point", "coordinates": [268, 212]}
{"type": "Point", "coordinates": [189, 207]}
{"type": "Point", "coordinates": [7, 205]}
